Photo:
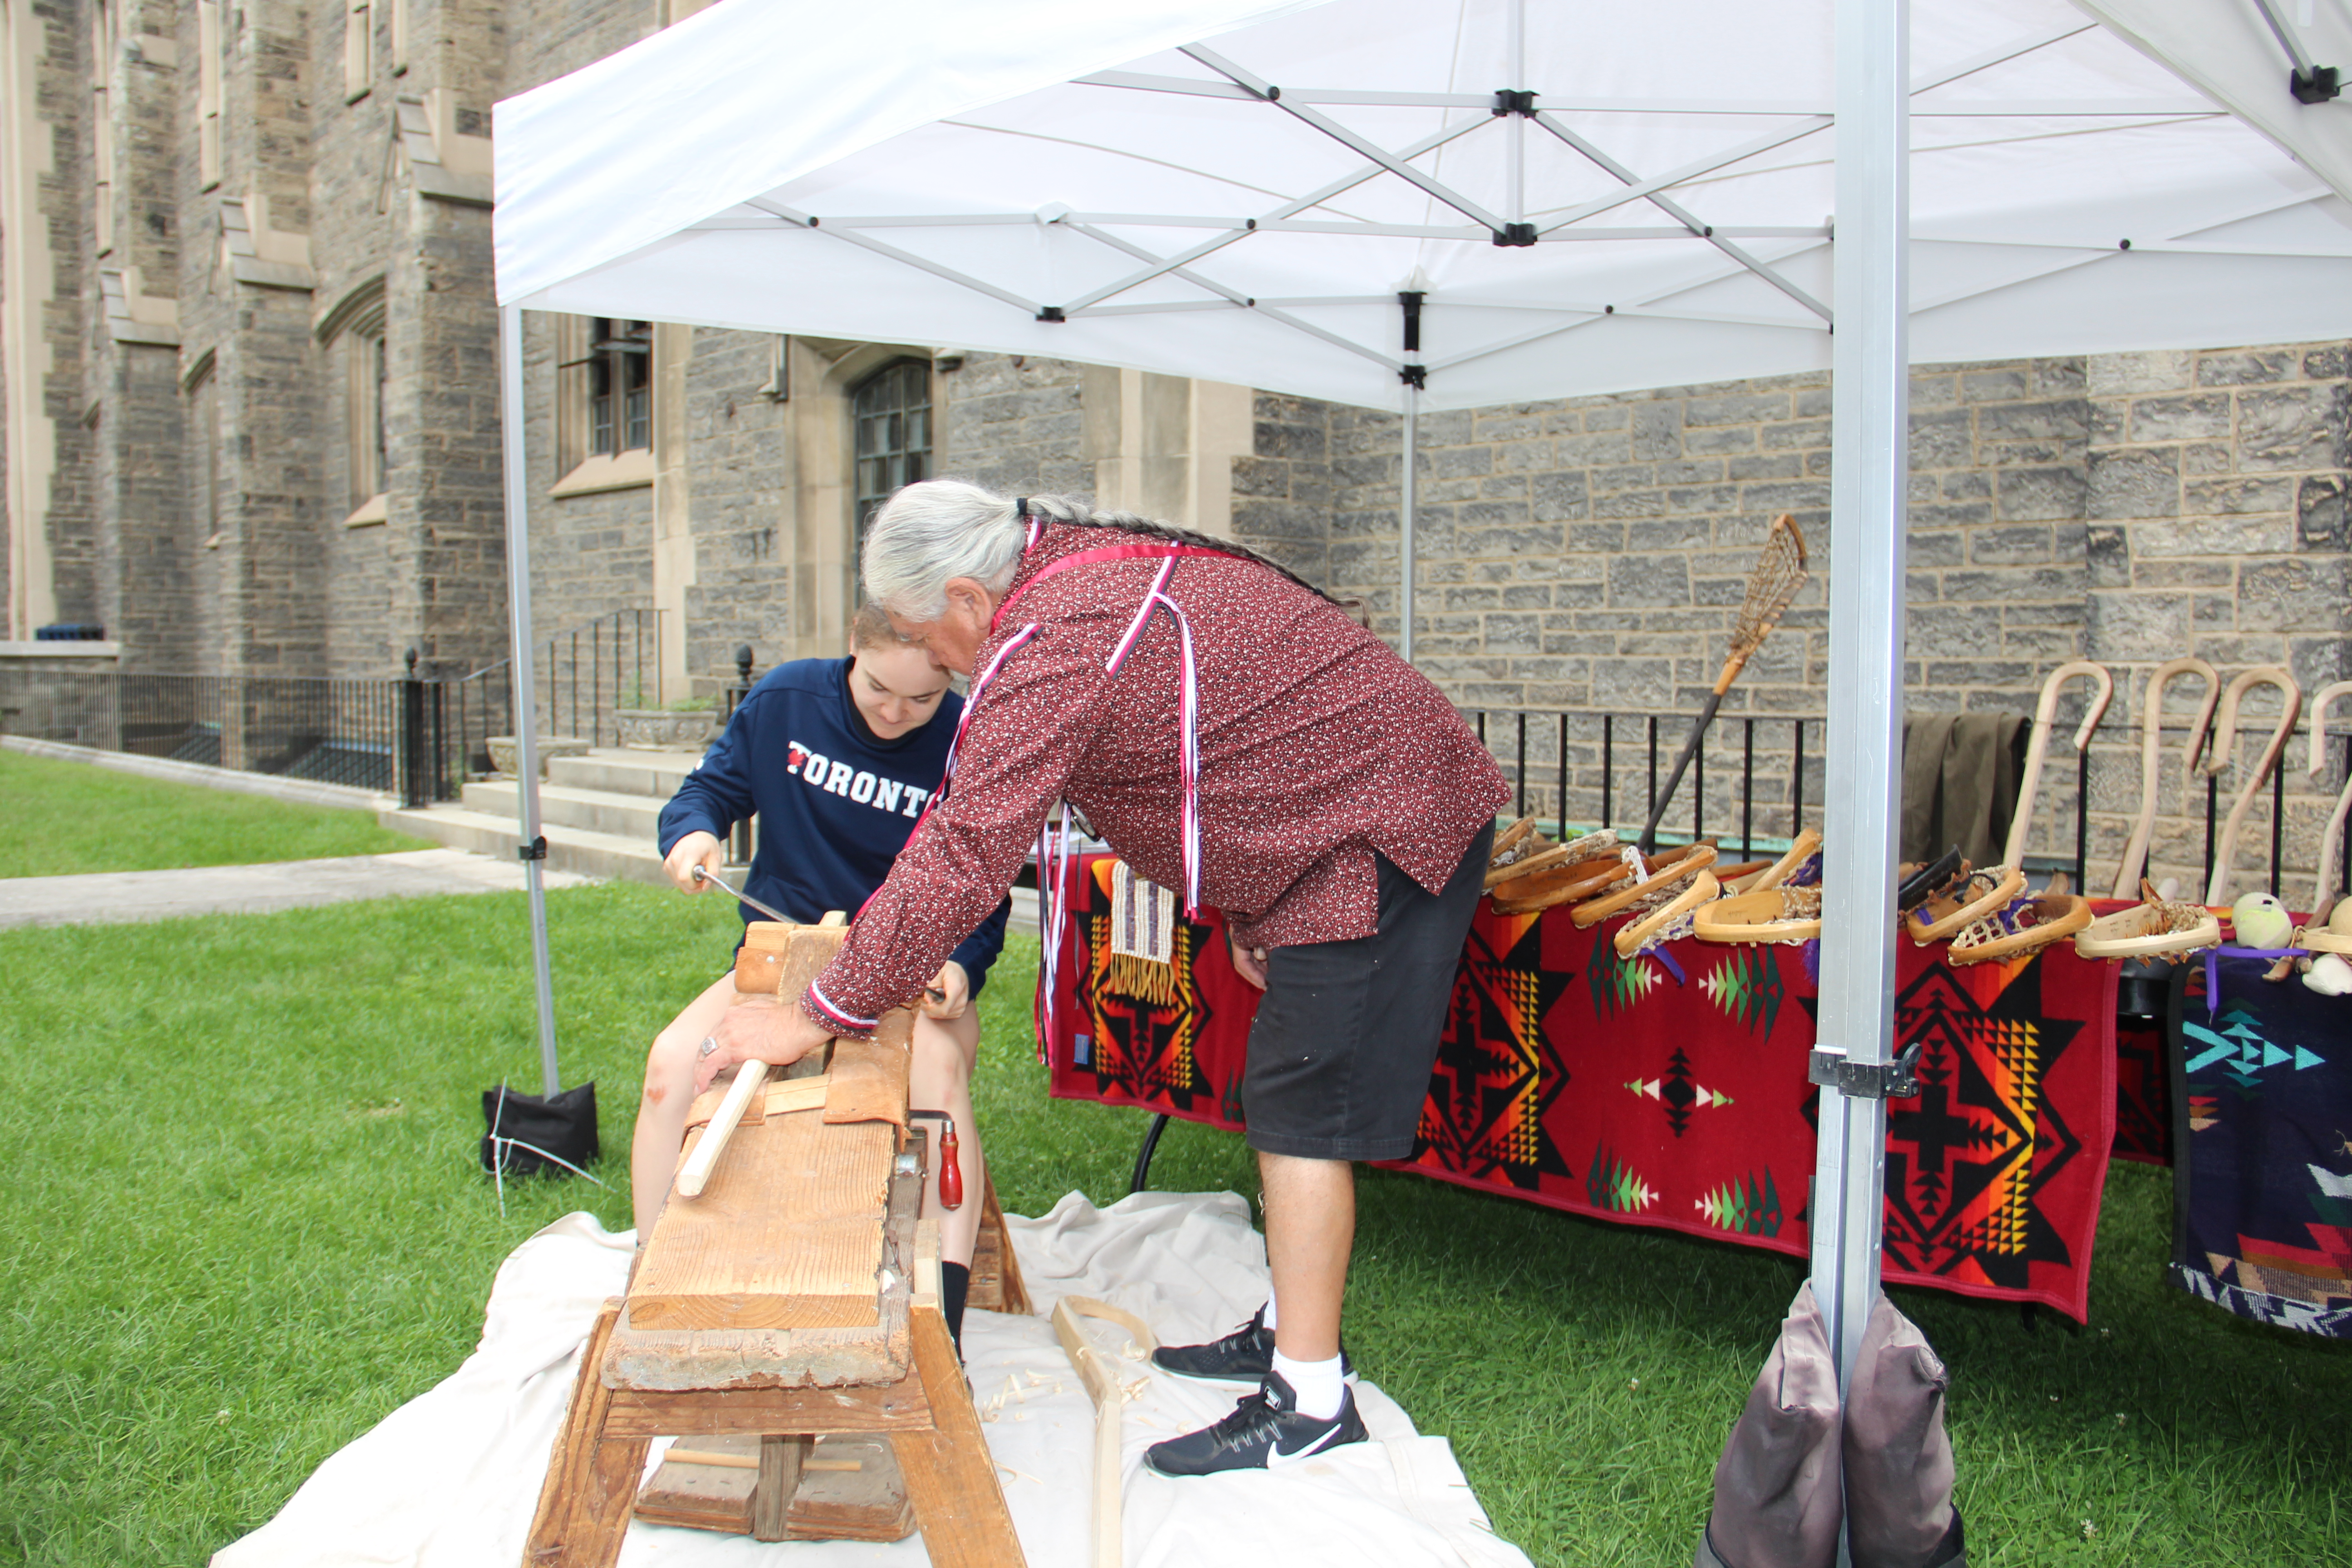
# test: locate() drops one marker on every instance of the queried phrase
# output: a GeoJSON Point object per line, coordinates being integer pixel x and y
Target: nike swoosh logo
{"type": "Point", "coordinates": [1275, 1458]}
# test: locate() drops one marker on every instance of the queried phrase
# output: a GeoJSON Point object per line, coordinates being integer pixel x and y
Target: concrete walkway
{"type": "Point", "coordinates": [101, 898]}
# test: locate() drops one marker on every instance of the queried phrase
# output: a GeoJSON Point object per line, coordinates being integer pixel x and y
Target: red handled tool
{"type": "Point", "coordinates": [950, 1167]}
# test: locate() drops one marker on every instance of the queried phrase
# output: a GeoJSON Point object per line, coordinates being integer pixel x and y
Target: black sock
{"type": "Point", "coordinates": [955, 1284]}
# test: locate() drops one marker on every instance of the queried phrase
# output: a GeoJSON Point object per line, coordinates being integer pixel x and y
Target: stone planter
{"type": "Point", "coordinates": [665, 729]}
{"type": "Point", "coordinates": [502, 751]}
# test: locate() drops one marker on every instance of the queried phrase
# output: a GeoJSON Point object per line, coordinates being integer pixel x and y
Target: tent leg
{"type": "Point", "coordinates": [526, 715]}
{"type": "Point", "coordinates": [1404, 539]}
{"type": "Point", "coordinates": [1869, 421]}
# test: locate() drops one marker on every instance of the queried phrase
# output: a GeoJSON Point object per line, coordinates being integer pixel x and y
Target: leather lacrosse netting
{"type": "Point", "coordinates": [1769, 914]}
{"type": "Point", "coordinates": [2026, 925]}
{"type": "Point", "coordinates": [1975, 895]}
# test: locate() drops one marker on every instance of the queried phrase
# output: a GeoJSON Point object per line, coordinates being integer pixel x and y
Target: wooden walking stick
{"type": "Point", "coordinates": [1779, 573]}
{"type": "Point", "coordinates": [2324, 876]}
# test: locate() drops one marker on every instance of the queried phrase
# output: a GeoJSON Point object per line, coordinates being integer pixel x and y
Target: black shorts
{"type": "Point", "coordinates": [1340, 1054]}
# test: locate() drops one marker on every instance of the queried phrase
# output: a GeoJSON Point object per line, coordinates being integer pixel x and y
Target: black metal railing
{"type": "Point", "coordinates": [368, 734]}
{"type": "Point", "coordinates": [583, 678]}
{"type": "Point", "coordinates": [1586, 770]}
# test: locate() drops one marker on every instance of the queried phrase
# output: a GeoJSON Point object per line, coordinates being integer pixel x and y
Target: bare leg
{"type": "Point", "coordinates": [945, 1055]}
{"type": "Point", "coordinates": [669, 1094]}
{"type": "Point", "coordinates": [1310, 1230]}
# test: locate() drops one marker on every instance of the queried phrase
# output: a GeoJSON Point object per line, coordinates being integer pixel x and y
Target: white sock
{"type": "Point", "coordinates": [1319, 1385]}
{"type": "Point", "coordinates": [1269, 1310]}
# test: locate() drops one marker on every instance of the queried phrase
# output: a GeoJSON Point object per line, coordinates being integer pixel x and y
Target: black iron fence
{"type": "Point", "coordinates": [1756, 780]}
{"type": "Point", "coordinates": [416, 739]}
{"type": "Point", "coordinates": [583, 678]}
{"type": "Point", "coordinates": [368, 734]}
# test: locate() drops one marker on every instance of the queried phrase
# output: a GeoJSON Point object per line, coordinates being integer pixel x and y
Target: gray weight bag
{"type": "Point", "coordinates": [1898, 1459]}
{"type": "Point", "coordinates": [1777, 1498]}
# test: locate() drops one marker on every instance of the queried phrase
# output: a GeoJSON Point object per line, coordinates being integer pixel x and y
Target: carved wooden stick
{"type": "Point", "coordinates": [2216, 757]}
{"type": "Point", "coordinates": [2151, 722]}
{"type": "Point", "coordinates": [2045, 712]}
{"type": "Point", "coordinates": [2323, 876]}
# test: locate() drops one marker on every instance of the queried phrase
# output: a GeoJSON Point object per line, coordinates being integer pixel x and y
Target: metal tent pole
{"type": "Point", "coordinates": [1868, 422]}
{"type": "Point", "coordinates": [526, 706]}
{"type": "Point", "coordinates": [1405, 540]}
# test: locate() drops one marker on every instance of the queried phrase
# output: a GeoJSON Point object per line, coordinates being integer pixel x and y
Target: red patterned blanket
{"type": "Point", "coordinates": [1616, 1090]}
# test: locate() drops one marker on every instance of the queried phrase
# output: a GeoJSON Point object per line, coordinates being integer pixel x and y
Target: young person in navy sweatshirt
{"type": "Point", "coordinates": [838, 757]}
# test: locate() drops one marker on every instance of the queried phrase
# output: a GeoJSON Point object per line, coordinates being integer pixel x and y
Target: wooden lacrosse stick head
{"type": "Point", "coordinates": [1772, 585]}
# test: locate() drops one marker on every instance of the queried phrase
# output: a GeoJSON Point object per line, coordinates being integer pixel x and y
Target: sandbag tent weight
{"type": "Point", "coordinates": [1397, 204]}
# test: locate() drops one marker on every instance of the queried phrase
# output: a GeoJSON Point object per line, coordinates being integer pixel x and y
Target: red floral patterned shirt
{"type": "Point", "coordinates": [1317, 746]}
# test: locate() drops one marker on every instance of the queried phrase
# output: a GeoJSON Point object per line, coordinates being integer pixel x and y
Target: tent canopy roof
{"type": "Point", "coordinates": [1137, 191]}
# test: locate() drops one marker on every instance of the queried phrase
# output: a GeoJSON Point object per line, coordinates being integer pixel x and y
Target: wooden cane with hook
{"type": "Point", "coordinates": [2045, 712]}
{"type": "Point", "coordinates": [2324, 874]}
{"type": "Point", "coordinates": [2216, 757]}
{"type": "Point", "coordinates": [2151, 755]}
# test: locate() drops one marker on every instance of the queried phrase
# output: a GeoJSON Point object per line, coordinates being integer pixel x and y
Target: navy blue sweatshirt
{"type": "Point", "coordinates": [836, 802]}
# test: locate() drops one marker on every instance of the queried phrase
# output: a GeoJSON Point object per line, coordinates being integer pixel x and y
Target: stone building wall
{"type": "Point", "coordinates": [743, 471]}
{"type": "Point", "coordinates": [1589, 555]}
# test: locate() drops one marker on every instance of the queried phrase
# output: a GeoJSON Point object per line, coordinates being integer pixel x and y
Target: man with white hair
{"type": "Point", "coordinates": [1233, 734]}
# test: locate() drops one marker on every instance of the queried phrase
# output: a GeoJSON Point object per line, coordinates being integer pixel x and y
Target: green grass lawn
{"type": "Point", "coordinates": [239, 1224]}
{"type": "Point", "coordinates": [67, 817]}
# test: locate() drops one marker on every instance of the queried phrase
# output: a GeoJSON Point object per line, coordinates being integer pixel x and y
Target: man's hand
{"type": "Point", "coordinates": [950, 993]}
{"type": "Point", "coordinates": [1249, 962]}
{"type": "Point", "coordinates": [769, 1029]}
{"type": "Point", "coordinates": [694, 849]}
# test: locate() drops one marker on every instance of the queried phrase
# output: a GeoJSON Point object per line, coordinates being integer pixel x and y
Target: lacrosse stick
{"type": "Point", "coordinates": [2154, 926]}
{"type": "Point", "coordinates": [2151, 722]}
{"type": "Point", "coordinates": [1780, 913]}
{"type": "Point", "coordinates": [1779, 573]}
{"type": "Point", "coordinates": [1658, 879]}
{"type": "Point", "coordinates": [2216, 757]}
{"type": "Point", "coordinates": [2323, 876]}
{"type": "Point", "coordinates": [2025, 926]}
{"type": "Point", "coordinates": [2044, 712]}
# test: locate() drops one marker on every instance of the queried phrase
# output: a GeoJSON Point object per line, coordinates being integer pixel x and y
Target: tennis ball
{"type": "Point", "coordinates": [2259, 920]}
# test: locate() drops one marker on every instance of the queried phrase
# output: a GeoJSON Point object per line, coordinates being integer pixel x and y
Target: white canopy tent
{"type": "Point", "coordinates": [1398, 204]}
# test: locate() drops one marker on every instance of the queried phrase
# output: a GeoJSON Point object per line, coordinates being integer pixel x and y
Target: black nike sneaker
{"type": "Point", "coordinates": [1243, 1356]}
{"type": "Point", "coordinates": [1265, 1432]}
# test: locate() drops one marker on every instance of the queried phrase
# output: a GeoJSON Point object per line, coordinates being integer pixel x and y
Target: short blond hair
{"type": "Point", "coordinates": [870, 627]}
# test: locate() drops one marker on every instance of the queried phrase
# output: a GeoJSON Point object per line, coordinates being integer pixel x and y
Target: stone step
{"type": "Point", "coordinates": [631, 816]}
{"type": "Point", "coordinates": [653, 773]}
{"type": "Point", "coordinates": [604, 856]}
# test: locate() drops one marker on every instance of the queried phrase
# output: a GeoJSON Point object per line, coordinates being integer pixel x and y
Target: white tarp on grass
{"type": "Point", "coordinates": [450, 1478]}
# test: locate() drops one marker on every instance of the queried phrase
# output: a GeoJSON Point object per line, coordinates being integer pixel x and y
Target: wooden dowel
{"type": "Point", "coordinates": [695, 1173]}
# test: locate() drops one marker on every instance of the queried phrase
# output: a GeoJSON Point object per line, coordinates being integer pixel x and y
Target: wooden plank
{"type": "Point", "coordinates": [693, 1490]}
{"type": "Point", "coordinates": [859, 1498]}
{"type": "Point", "coordinates": [652, 1360]}
{"type": "Point", "coordinates": [870, 1076]}
{"type": "Point", "coordinates": [780, 1478]}
{"type": "Point", "coordinates": [891, 1407]}
{"type": "Point", "coordinates": [788, 1234]}
{"type": "Point", "coordinates": [950, 1479]}
{"type": "Point", "coordinates": [996, 1284]}
{"type": "Point", "coordinates": [781, 960]}
{"type": "Point", "coordinates": [591, 1475]}
{"type": "Point", "coordinates": [782, 1093]}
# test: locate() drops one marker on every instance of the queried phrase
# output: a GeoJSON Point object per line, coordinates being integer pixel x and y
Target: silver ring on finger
{"type": "Point", "coordinates": [709, 1044]}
